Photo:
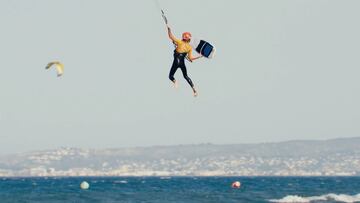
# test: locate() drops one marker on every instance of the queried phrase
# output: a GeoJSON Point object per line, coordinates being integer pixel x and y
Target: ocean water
{"type": "Point", "coordinates": [180, 189]}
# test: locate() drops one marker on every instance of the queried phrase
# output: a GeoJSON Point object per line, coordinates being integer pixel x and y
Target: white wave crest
{"type": "Point", "coordinates": [328, 197]}
{"type": "Point", "coordinates": [121, 181]}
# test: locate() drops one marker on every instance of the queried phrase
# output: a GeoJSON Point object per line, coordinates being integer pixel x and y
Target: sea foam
{"type": "Point", "coordinates": [328, 197]}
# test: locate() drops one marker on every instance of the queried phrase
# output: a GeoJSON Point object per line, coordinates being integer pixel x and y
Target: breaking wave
{"type": "Point", "coordinates": [328, 197]}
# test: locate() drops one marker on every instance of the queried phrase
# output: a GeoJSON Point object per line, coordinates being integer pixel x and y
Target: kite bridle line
{"type": "Point", "coordinates": [162, 12]}
{"type": "Point", "coordinates": [164, 17]}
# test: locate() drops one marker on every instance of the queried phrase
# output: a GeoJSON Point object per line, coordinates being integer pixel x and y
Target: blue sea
{"type": "Point", "coordinates": [180, 189]}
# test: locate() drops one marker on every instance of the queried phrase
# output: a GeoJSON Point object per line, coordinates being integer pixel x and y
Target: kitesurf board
{"type": "Point", "coordinates": [204, 48]}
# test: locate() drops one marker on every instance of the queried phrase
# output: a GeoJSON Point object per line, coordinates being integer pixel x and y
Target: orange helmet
{"type": "Point", "coordinates": [186, 36]}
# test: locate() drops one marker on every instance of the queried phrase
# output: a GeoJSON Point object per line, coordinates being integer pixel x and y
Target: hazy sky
{"type": "Point", "coordinates": [284, 70]}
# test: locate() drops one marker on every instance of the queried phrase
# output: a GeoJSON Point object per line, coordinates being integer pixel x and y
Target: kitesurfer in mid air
{"type": "Point", "coordinates": [183, 50]}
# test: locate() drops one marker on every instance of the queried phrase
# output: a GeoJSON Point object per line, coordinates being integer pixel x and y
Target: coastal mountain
{"type": "Point", "coordinates": [292, 158]}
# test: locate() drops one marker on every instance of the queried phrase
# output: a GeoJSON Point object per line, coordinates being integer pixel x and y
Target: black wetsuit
{"type": "Point", "coordinates": [179, 62]}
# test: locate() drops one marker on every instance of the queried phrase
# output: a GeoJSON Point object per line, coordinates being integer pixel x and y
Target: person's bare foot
{"type": "Point", "coordinates": [176, 85]}
{"type": "Point", "coordinates": [195, 93]}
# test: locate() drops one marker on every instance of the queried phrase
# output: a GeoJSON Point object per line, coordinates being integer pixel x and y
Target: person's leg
{"type": "Point", "coordinates": [173, 69]}
{"type": "Point", "coordinates": [187, 78]}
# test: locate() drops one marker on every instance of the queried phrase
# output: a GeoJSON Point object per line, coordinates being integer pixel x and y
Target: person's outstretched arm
{"type": "Point", "coordinates": [171, 36]}
{"type": "Point", "coordinates": [191, 58]}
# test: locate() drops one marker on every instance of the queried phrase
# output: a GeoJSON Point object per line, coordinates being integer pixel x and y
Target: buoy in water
{"type": "Point", "coordinates": [84, 185]}
{"type": "Point", "coordinates": [236, 184]}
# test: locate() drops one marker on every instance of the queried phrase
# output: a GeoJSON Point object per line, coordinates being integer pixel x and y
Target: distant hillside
{"type": "Point", "coordinates": [329, 157]}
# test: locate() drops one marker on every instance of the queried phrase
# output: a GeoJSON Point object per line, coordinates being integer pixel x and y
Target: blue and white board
{"type": "Point", "coordinates": [204, 48]}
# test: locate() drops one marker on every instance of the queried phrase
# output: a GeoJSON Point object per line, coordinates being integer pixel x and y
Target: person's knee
{"type": "Point", "coordinates": [186, 77]}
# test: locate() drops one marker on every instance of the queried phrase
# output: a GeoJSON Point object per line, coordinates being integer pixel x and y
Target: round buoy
{"type": "Point", "coordinates": [236, 184]}
{"type": "Point", "coordinates": [84, 185]}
